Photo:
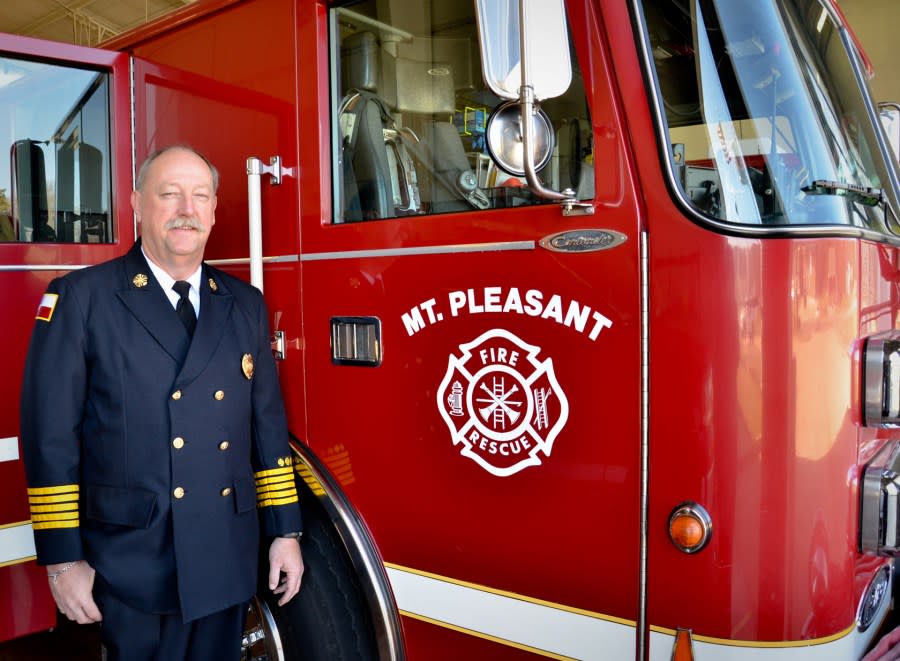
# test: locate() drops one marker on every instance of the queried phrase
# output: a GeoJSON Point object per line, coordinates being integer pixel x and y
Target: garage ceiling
{"type": "Point", "coordinates": [83, 22]}
{"type": "Point", "coordinates": [90, 22]}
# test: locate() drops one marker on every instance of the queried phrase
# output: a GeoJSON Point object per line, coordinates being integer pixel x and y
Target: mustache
{"type": "Point", "coordinates": [183, 223]}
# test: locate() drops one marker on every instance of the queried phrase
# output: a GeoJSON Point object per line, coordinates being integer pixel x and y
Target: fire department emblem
{"type": "Point", "coordinates": [502, 403]}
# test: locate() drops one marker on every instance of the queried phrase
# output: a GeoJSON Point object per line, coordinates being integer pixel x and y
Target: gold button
{"type": "Point", "coordinates": [178, 442]}
{"type": "Point", "coordinates": [226, 491]}
{"type": "Point", "coordinates": [178, 493]}
{"type": "Point", "coordinates": [220, 395]}
{"type": "Point", "coordinates": [176, 395]}
{"type": "Point", "coordinates": [223, 445]}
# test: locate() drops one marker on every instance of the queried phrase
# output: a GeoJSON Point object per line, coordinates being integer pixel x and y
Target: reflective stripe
{"type": "Point", "coordinates": [9, 449]}
{"type": "Point", "coordinates": [848, 644]}
{"type": "Point", "coordinates": [16, 543]}
{"type": "Point", "coordinates": [562, 632]}
{"type": "Point", "coordinates": [537, 626]}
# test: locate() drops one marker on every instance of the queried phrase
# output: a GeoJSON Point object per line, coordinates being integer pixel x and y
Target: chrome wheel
{"type": "Point", "coordinates": [261, 640]}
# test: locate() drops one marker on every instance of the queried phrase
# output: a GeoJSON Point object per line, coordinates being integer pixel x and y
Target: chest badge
{"type": "Point", "coordinates": [502, 404]}
{"type": "Point", "coordinates": [247, 365]}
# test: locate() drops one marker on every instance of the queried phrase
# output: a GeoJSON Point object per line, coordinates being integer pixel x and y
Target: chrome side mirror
{"type": "Point", "coordinates": [525, 58]}
{"type": "Point", "coordinates": [533, 31]}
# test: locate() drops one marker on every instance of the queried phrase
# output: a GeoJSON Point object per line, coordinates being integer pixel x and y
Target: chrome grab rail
{"type": "Point", "coordinates": [255, 169]}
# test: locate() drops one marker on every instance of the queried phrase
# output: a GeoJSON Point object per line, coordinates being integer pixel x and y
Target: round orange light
{"type": "Point", "coordinates": [690, 527]}
{"type": "Point", "coordinates": [686, 531]}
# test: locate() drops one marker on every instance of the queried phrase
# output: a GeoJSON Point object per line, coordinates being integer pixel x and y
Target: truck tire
{"type": "Point", "coordinates": [328, 619]}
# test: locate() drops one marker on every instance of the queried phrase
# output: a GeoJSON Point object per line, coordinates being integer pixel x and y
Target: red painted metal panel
{"type": "Point", "coordinates": [231, 105]}
{"type": "Point", "coordinates": [26, 605]}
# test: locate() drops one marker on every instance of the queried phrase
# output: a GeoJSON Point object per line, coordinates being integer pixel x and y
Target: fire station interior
{"type": "Point", "coordinates": [413, 111]}
{"type": "Point", "coordinates": [54, 184]}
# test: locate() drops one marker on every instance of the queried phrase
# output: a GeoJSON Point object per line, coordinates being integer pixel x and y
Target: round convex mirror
{"type": "Point", "coordinates": [505, 143]}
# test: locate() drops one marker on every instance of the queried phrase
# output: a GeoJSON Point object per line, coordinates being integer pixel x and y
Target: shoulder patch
{"type": "Point", "coordinates": [46, 307]}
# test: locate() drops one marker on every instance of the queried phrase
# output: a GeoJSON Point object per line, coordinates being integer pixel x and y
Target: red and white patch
{"type": "Point", "coordinates": [46, 307]}
{"type": "Point", "coordinates": [502, 404]}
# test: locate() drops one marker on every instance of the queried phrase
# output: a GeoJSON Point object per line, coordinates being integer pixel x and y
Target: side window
{"type": "Point", "coordinates": [54, 133]}
{"type": "Point", "coordinates": [411, 110]}
{"type": "Point", "coordinates": [766, 124]}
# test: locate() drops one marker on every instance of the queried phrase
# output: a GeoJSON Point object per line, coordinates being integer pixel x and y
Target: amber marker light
{"type": "Point", "coordinates": [683, 648]}
{"type": "Point", "coordinates": [690, 527]}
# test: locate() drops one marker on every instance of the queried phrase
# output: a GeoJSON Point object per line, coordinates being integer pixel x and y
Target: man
{"type": "Point", "coordinates": [154, 435]}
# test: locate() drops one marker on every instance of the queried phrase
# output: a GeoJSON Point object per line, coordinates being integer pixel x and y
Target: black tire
{"type": "Point", "coordinates": [328, 620]}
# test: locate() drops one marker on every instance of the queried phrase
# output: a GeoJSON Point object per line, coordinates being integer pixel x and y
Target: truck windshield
{"type": "Point", "coordinates": [766, 123]}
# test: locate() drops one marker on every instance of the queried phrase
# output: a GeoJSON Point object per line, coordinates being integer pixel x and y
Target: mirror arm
{"type": "Point", "coordinates": [570, 204]}
{"type": "Point", "coordinates": [526, 107]}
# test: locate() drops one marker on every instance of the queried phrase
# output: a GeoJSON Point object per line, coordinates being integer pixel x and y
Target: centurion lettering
{"type": "Point", "coordinates": [508, 300]}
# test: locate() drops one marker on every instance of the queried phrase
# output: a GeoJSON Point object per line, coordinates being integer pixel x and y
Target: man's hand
{"type": "Point", "coordinates": [72, 591]}
{"type": "Point", "coordinates": [284, 557]}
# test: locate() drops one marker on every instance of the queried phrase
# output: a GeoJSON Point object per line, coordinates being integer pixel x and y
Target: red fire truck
{"type": "Point", "coordinates": [586, 312]}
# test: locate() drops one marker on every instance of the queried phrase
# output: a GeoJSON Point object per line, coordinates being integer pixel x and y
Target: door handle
{"type": "Point", "coordinates": [255, 170]}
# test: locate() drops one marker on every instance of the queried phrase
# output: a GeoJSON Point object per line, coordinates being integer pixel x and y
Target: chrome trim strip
{"type": "Point", "coordinates": [365, 559]}
{"type": "Point", "coordinates": [42, 267]}
{"type": "Point", "coordinates": [420, 250]}
{"type": "Point", "coordinates": [275, 259]}
{"type": "Point", "coordinates": [641, 632]}
{"type": "Point", "coordinates": [733, 229]}
{"type": "Point", "coordinates": [280, 259]}
{"type": "Point", "coordinates": [133, 137]}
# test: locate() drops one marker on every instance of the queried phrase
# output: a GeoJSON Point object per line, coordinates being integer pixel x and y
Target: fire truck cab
{"type": "Point", "coordinates": [586, 312]}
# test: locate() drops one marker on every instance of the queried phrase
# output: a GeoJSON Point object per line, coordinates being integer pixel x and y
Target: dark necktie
{"type": "Point", "coordinates": [184, 309]}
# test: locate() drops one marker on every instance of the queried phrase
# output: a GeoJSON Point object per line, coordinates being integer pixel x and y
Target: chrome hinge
{"type": "Point", "coordinates": [279, 345]}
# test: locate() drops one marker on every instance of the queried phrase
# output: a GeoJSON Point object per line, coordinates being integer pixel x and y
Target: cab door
{"type": "Point", "coordinates": [65, 176]}
{"type": "Point", "coordinates": [473, 355]}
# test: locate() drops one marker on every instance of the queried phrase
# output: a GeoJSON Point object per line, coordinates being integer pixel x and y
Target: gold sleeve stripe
{"type": "Point", "coordinates": [64, 507]}
{"type": "Point", "coordinates": [277, 501]}
{"type": "Point", "coordinates": [275, 485]}
{"type": "Point", "coordinates": [58, 516]}
{"type": "Point", "coordinates": [275, 495]}
{"type": "Point", "coordinates": [262, 493]}
{"type": "Point", "coordinates": [272, 472]}
{"type": "Point", "coordinates": [277, 479]}
{"type": "Point", "coordinates": [54, 524]}
{"type": "Point", "coordinates": [65, 498]}
{"type": "Point", "coordinates": [288, 488]}
{"type": "Point", "coordinates": [283, 484]}
{"type": "Point", "coordinates": [42, 491]}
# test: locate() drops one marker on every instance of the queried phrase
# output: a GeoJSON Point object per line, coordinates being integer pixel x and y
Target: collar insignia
{"type": "Point", "coordinates": [140, 280]}
{"type": "Point", "coordinates": [212, 285]}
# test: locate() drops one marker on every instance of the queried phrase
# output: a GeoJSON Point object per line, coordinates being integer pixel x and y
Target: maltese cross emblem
{"type": "Point", "coordinates": [502, 404]}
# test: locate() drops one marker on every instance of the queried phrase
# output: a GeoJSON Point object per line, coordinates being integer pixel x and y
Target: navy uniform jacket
{"type": "Point", "coordinates": [150, 455]}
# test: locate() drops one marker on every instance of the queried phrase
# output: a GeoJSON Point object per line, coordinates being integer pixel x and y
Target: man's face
{"type": "Point", "coordinates": [176, 209]}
